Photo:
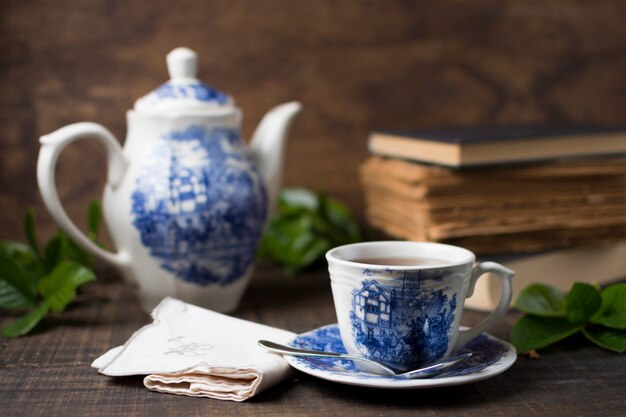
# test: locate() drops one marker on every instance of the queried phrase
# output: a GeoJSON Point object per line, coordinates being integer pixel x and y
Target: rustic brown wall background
{"type": "Point", "coordinates": [355, 65]}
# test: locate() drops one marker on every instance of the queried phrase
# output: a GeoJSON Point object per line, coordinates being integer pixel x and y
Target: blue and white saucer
{"type": "Point", "coordinates": [491, 356]}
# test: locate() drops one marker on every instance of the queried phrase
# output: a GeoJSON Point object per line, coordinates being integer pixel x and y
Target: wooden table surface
{"type": "Point", "coordinates": [48, 373]}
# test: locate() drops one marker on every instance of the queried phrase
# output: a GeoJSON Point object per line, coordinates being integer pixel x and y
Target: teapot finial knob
{"type": "Point", "coordinates": [182, 63]}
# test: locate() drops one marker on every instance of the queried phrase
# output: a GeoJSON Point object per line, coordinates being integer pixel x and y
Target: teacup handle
{"type": "Point", "coordinates": [506, 276]}
{"type": "Point", "coordinates": [51, 147]}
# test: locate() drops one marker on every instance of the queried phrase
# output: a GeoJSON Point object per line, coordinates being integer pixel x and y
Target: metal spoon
{"type": "Point", "coordinates": [374, 367]}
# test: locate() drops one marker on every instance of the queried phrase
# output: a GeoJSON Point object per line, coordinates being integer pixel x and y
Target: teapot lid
{"type": "Point", "coordinates": [183, 91]}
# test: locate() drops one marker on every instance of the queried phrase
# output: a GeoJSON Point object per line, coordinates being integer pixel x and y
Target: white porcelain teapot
{"type": "Point", "coordinates": [185, 201]}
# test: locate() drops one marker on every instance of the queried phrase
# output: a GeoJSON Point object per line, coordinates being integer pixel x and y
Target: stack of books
{"type": "Point", "coordinates": [532, 193]}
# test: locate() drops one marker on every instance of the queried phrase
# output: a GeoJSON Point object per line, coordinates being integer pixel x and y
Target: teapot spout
{"type": "Point", "coordinates": [267, 146]}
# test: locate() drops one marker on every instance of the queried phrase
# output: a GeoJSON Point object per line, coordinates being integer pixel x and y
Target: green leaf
{"type": "Point", "coordinates": [306, 226]}
{"type": "Point", "coordinates": [612, 312]}
{"type": "Point", "coordinates": [287, 239]}
{"type": "Point", "coordinates": [53, 251]}
{"type": "Point", "coordinates": [12, 297]}
{"type": "Point", "coordinates": [308, 249]}
{"type": "Point", "coordinates": [73, 252]}
{"type": "Point", "coordinates": [59, 287]}
{"type": "Point", "coordinates": [533, 332]}
{"type": "Point", "coordinates": [16, 283]}
{"type": "Point", "coordinates": [582, 302]}
{"type": "Point", "coordinates": [298, 198]}
{"type": "Point", "coordinates": [94, 219]}
{"type": "Point", "coordinates": [343, 228]}
{"type": "Point", "coordinates": [24, 256]}
{"type": "Point", "coordinates": [606, 337]}
{"type": "Point", "coordinates": [28, 274]}
{"type": "Point", "coordinates": [26, 323]}
{"type": "Point", "coordinates": [541, 300]}
{"type": "Point", "coordinates": [82, 275]}
{"type": "Point", "coordinates": [29, 228]}
{"type": "Point", "coordinates": [336, 212]}
{"type": "Point", "coordinates": [62, 248]}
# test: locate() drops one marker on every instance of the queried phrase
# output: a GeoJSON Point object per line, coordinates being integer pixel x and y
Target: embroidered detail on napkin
{"type": "Point", "coordinates": [188, 350]}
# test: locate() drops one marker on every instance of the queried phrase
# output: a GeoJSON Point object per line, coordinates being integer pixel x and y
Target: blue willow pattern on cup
{"type": "Point", "coordinates": [200, 204]}
{"type": "Point", "coordinates": [486, 351]}
{"type": "Point", "coordinates": [402, 325]}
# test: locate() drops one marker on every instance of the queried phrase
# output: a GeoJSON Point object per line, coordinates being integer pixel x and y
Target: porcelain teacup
{"type": "Point", "coordinates": [400, 303]}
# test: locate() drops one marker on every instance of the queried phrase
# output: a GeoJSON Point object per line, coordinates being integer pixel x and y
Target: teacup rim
{"type": "Point", "coordinates": [331, 256]}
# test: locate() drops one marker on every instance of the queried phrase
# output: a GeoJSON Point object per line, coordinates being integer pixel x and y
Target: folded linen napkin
{"type": "Point", "coordinates": [188, 350]}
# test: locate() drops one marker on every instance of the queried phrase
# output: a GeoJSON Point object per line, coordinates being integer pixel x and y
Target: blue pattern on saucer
{"type": "Point", "coordinates": [486, 351]}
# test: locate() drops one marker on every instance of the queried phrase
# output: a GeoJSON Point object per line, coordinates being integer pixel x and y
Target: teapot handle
{"type": "Point", "coordinates": [51, 147]}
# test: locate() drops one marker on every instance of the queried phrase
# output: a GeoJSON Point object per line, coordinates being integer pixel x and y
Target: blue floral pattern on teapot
{"type": "Point", "coordinates": [200, 205]}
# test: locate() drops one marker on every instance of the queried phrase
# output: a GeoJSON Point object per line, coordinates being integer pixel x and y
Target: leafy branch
{"type": "Point", "coordinates": [305, 227]}
{"type": "Point", "coordinates": [552, 316]}
{"type": "Point", "coordinates": [43, 280]}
